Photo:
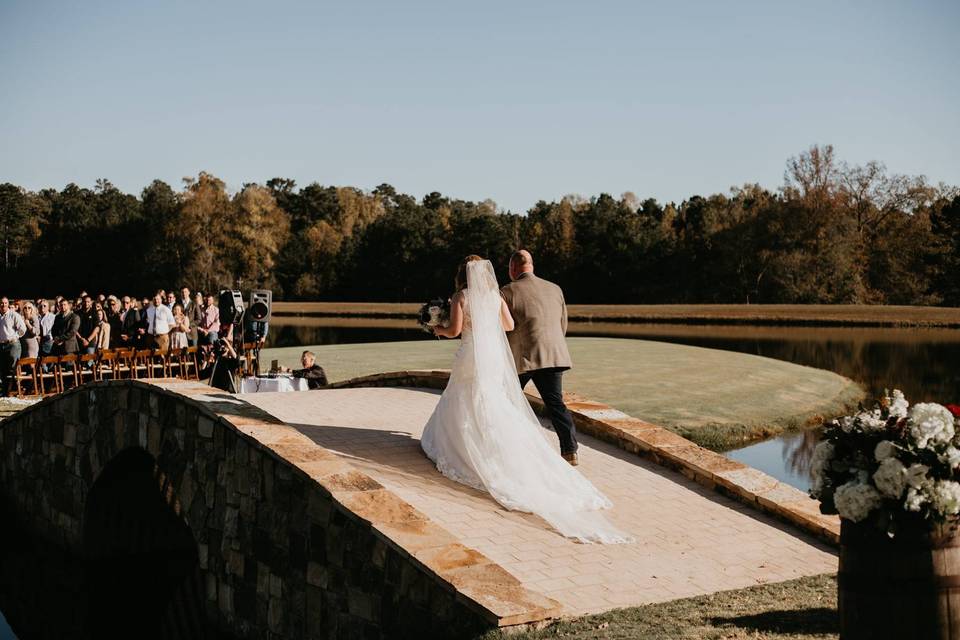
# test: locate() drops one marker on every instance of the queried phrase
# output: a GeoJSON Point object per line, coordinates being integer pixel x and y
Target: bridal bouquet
{"type": "Point", "coordinates": [891, 465]}
{"type": "Point", "coordinates": [435, 313]}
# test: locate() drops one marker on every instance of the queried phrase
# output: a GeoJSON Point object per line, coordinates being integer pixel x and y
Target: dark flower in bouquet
{"type": "Point", "coordinates": [435, 313]}
{"type": "Point", "coordinates": [890, 465]}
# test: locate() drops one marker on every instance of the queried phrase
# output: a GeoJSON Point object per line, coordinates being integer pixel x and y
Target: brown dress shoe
{"type": "Point", "coordinates": [571, 458]}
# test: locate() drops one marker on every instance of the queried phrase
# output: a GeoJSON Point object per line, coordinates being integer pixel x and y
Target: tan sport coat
{"type": "Point", "coordinates": [540, 316]}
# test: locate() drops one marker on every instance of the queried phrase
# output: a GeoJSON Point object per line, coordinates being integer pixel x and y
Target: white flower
{"type": "Point", "coordinates": [891, 478]}
{"type": "Point", "coordinates": [855, 500]}
{"type": "Point", "coordinates": [884, 449]}
{"type": "Point", "coordinates": [822, 455]}
{"type": "Point", "coordinates": [915, 499]}
{"type": "Point", "coordinates": [872, 421]}
{"type": "Point", "coordinates": [951, 457]}
{"type": "Point", "coordinates": [945, 496]}
{"type": "Point", "coordinates": [847, 423]}
{"type": "Point", "coordinates": [931, 424]}
{"type": "Point", "coordinates": [898, 404]}
{"type": "Point", "coordinates": [917, 475]}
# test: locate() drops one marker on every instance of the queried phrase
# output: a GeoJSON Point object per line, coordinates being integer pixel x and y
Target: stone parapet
{"type": "Point", "coordinates": [291, 541]}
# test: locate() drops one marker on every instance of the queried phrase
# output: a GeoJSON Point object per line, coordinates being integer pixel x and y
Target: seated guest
{"type": "Point", "coordinates": [195, 316]}
{"type": "Point", "coordinates": [143, 339]}
{"type": "Point", "coordinates": [185, 299]}
{"type": "Point", "coordinates": [180, 331]}
{"type": "Point", "coordinates": [46, 327]}
{"type": "Point", "coordinates": [311, 371]}
{"type": "Point", "coordinates": [129, 323]}
{"type": "Point", "coordinates": [65, 328]}
{"type": "Point", "coordinates": [210, 324]}
{"type": "Point", "coordinates": [89, 326]}
{"type": "Point", "coordinates": [113, 317]}
{"type": "Point", "coordinates": [30, 341]}
{"type": "Point", "coordinates": [103, 336]}
{"type": "Point", "coordinates": [12, 328]}
{"type": "Point", "coordinates": [159, 323]}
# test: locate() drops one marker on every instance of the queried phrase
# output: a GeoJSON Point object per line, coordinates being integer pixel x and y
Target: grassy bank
{"type": "Point", "coordinates": [718, 399]}
{"type": "Point", "coordinates": [803, 609]}
{"type": "Point", "coordinates": [753, 314]}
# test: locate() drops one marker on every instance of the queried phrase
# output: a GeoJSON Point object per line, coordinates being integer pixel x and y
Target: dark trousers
{"type": "Point", "coordinates": [549, 382]}
{"type": "Point", "coordinates": [9, 354]}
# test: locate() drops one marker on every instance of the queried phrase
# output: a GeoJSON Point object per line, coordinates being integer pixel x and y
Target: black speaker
{"type": "Point", "coordinates": [261, 305]}
{"type": "Point", "coordinates": [231, 307]}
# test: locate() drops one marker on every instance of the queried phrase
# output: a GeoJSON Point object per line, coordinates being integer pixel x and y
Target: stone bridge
{"type": "Point", "coordinates": [174, 510]}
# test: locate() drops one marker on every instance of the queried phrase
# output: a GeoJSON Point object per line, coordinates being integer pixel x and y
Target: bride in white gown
{"type": "Point", "coordinates": [484, 434]}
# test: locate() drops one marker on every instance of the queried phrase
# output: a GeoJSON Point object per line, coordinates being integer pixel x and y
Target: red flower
{"type": "Point", "coordinates": [954, 409]}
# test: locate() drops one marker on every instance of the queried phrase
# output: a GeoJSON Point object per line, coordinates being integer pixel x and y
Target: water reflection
{"type": "Point", "coordinates": [787, 457]}
{"type": "Point", "coordinates": [920, 362]}
{"type": "Point", "coordinates": [6, 633]}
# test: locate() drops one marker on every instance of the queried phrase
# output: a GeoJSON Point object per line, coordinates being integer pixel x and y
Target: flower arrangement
{"type": "Point", "coordinates": [433, 314]}
{"type": "Point", "coordinates": [891, 465]}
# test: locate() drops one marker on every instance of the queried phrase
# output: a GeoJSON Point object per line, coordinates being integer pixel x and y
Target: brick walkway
{"type": "Point", "coordinates": [690, 540]}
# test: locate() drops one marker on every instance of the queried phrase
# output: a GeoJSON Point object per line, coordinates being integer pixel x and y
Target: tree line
{"type": "Point", "coordinates": [832, 233]}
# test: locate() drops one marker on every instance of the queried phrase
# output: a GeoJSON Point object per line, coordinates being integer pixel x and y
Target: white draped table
{"type": "Point", "coordinates": [280, 383]}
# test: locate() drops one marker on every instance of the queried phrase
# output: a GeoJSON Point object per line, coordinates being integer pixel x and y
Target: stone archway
{"type": "Point", "coordinates": [141, 566]}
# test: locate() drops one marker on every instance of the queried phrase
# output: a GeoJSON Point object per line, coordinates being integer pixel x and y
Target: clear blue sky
{"type": "Point", "coordinates": [514, 101]}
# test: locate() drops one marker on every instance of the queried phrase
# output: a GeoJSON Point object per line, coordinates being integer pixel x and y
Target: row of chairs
{"type": "Point", "coordinates": [55, 374]}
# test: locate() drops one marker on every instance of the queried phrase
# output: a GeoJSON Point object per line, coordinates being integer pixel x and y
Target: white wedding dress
{"type": "Point", "coordinates": [484, 434]}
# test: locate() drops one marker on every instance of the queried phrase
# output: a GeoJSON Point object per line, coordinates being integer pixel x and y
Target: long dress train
{"type": "Point", "coordinates": [484, 434]}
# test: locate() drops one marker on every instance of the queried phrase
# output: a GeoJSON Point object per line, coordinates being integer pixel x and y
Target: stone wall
{"type": "Point", "coordinates": [277, 552]}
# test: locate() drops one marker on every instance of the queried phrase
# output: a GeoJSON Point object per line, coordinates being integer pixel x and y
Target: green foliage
{"type": "Point", "coordinates": [832, 234]}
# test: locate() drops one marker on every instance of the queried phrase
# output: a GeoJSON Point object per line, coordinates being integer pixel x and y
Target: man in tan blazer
{"type": "Point", "coordinates": [539, 344]}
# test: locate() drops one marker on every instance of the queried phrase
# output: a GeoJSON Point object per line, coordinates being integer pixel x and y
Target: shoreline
{"type": "Point", "coordinates": [752, 315]}
{"type": "Point", "coordinates": [718, 399]}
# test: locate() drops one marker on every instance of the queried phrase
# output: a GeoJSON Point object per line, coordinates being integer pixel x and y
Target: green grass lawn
{"type": "Point", "coordinates": [719, 399]}
{"type": "Point", "coordinates": [803, 609]}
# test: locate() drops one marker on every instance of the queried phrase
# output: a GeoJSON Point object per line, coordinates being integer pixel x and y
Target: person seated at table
{"type": "Point", "coordinates": [312, 372]}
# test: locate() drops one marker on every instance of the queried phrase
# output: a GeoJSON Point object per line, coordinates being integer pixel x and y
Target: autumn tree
{"type": "Point", "coordinates": [256, 231]}
{"type": "Point", "coordinates": [200, 230]}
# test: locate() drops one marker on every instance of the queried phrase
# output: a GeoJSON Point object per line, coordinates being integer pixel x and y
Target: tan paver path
{"type": "Point", "coordinates": [689, 540]}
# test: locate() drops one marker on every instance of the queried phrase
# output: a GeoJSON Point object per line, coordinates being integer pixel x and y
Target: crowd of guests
{"type": "Point", "coordinates": [88, 324]}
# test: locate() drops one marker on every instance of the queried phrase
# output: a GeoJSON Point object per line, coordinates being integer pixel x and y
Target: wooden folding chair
{"type": "Point", "coordinates": [175, 362]}
{"type": "Point", "coordinates": [106, 365]}
{"type": "Point", "coordinates": [191, 368]}
{"type": "Point", "coordinates": [67, 374]}
{"type": "Point", "coordinates": [123, 364]}
{"type": "Point", "coordinates": [25, 371]}
{"type": "Point", "coordinates": [47, 372]}
{"type": "Point", "coordinates": [87, 367]}
{"type": "Point", "coordinates": [159, 363]}
{"type": "Point", "coordinates": [141, 363]}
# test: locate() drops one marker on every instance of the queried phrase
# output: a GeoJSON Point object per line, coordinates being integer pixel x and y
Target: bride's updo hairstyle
{"type": "Point", "coordinates": [460, 282]}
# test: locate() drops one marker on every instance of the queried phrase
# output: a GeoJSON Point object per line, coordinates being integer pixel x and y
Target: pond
{"type": "Point", "coordinates": [6, 633]}
{"type": "Point", "coordinates": [923, 363]}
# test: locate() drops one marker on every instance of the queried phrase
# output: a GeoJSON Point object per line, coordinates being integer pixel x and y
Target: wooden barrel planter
{"type": "Point", "coordinates": [904, 587]}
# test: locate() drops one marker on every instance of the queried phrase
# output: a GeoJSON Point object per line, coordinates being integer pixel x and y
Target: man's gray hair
{"type": "Point", "coordinates": [521, 257]}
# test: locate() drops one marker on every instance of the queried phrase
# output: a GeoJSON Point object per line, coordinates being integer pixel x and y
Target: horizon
{"type": "Point", "coordinates": [514, 104]}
